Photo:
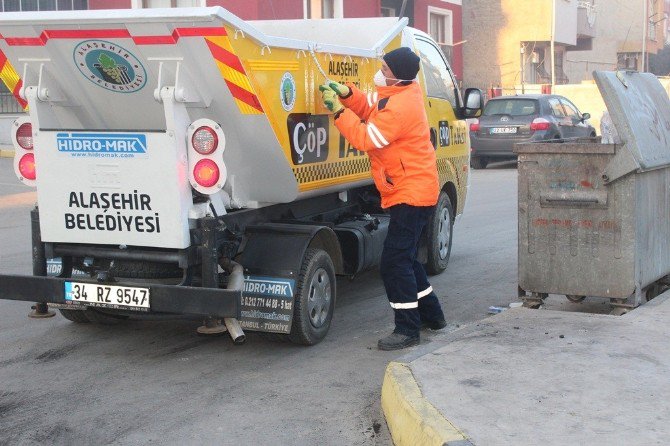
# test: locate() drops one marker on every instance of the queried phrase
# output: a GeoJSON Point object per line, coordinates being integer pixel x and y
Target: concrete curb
{"type": "Point", "coordinates": [411, 419]}
{"type": "Point", "coordinates": [6, 153]}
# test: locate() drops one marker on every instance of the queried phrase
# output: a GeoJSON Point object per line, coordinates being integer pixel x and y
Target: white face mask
{"type": "Point", "coordinates": [379, 79]}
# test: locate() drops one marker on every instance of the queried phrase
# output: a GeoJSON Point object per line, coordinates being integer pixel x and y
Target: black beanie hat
{"type": "Point", "coordinates": [403, 63]}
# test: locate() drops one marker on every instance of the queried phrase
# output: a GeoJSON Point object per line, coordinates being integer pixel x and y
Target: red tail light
{"type": "Point", "coordinates": [204, 140]}
{"type": "Point", "coordinates": [474, 126]}
{"type": "Point", "coordinates": [540, 124]}
{"type": "Point", "coordinates": [27, 166]}
{"type": "Point", "coordinates": [24, 136]}
{"type": "Point", "coordinates": [206, 173]}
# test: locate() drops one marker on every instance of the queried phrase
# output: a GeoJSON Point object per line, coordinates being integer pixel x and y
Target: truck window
{"type": "Point", "coordinates": [439, 81]}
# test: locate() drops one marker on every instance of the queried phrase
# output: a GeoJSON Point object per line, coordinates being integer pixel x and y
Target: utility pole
{"type": "Point", "coordinates": [553, 44]}
{"type": "Point", "coordinates": [644, 33]}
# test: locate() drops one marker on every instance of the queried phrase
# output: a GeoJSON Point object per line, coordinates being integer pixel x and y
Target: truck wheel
{"type": "Point", "coordinates": [76, 316]}
{"type": "Point", "coordinates": [440, 230]}
{"type": "Point", "coordinates": [314, 299]}
{"type": "Point", "coordinates": [477, 162]}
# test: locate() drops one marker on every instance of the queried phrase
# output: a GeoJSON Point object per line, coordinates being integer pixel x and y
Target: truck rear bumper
{"type": "Point", "coordinates": [164, 298]}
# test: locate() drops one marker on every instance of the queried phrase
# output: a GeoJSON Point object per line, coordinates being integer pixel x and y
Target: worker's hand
{"type": "Point", "coordinates": [330, 99]}
{"type": "Point", "coordinates": [341, 89]}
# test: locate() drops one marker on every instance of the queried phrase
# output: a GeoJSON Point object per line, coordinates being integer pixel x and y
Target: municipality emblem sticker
{"type": "Point", "coordinates": [287, 91]}
{"type": "Point", "coordinates": [110, 66]}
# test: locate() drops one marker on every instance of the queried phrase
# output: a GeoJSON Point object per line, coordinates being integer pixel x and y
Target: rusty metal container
{"type": "Point", "coordinates": [594, 219]}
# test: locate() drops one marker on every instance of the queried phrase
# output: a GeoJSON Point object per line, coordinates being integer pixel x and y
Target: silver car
{"type": "Point", "coordinates": [507, 120]}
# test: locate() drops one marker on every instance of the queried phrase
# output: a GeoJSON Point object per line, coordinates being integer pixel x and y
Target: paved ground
{"type": "Point", "coordinates": [528, 377]}
{"type": "Point", "coordinates": [146, 382]}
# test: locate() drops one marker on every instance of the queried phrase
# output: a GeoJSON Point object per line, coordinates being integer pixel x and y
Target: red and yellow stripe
{"type": "Point", "coordinates": [11, 79]}
{"type": "Point", "coordinates": [216, 38]}
{"type": "Point", "coordinates": [234, 75]}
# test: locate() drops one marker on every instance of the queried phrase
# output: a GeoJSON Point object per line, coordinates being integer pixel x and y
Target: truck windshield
{"type": "Point", "coordinates": [512, 107]}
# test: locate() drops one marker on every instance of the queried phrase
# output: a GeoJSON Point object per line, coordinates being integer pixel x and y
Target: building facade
{"type": "Point", "coordinates": [516, 46]}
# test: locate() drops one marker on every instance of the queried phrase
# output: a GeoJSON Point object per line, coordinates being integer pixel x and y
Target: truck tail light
{"type": "Point", "coordinates": [204, 140]}
{"type": "Point", "coordinates": [24, 151]}
{"type": "Point", "coordinates": [474, 126]}
{"type": "Point", "coordinates": [24, 136]}
{"type": "Point", "coordinates": [206, 173]}
{"type": "Point", "coordinates": [27, 166]}
{"type": "Point", "coordinates": [539, 124]}
{"type": "Point", "coordinates": [206, 144]}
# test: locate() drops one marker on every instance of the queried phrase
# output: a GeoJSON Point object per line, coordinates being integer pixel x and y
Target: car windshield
{"type": "Point", "coordinates": [512, 107]}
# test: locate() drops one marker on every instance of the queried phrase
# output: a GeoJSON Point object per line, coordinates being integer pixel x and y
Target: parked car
{"type": "Point", "coordinates": [507, 120]}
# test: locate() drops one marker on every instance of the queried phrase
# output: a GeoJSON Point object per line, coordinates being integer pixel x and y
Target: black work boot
{"type": "Point", "coordinates": [396, 341]}
{"type": "Point", "coordinates": [433, 325]}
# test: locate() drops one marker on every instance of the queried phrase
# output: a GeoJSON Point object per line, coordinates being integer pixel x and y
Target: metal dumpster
{"type": "Point", "coordinates": [594, 219]}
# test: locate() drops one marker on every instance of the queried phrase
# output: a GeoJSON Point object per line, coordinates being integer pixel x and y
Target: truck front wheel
{"type": "Point", "coordinates": [440, 231]}
{"type": "Point", "coordinates": [314, 298]}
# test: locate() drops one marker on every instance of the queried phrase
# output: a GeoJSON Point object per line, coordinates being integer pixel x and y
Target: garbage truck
{"type": "Point", "coordinates": [184, 164]}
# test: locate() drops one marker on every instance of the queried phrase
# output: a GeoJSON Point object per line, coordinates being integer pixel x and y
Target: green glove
{"type": "Point", "coordinates": [330, 99]}
{"type": "Point", "coordinates": [341, 89]}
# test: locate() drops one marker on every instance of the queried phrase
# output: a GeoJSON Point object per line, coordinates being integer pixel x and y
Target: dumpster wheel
{"type": "Point", "coordinates": [534, 301]}
{"type": "Point", "coordinates": [574, 298]}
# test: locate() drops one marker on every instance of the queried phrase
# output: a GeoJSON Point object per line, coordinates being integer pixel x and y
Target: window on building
{"type": "Point", "coordinates": [173, 3]}
{"type": "Point", "coordinates": [628, 61]}
{"type": "Point", "coordinates": [42, 5]}
{"type": "Point", "coordinates": [439, 80]}
{"type": "Point", "coordinates": [320, 9]}
{"type": "Point", "coordinates": [440, 28]}
{"type": "Point", "coordinates": [388, 12]}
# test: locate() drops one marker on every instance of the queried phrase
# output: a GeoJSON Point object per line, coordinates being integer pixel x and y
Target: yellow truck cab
{"type": "Point", "coordinates": [185, 165]}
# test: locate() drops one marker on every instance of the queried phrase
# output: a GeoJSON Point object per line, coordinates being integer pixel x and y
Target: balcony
{"type": "Point", "coordinates": [586, 20]}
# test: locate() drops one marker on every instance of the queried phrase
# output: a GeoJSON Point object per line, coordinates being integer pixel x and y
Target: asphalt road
{"type": "Point", "coordinates": [157, 382]}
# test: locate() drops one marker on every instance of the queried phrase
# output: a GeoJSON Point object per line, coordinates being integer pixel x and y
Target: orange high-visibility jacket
{"type": "Point", "coordinates": [391, 126]}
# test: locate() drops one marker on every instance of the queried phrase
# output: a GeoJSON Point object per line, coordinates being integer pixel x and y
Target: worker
{"type": "Point", "coordinates": [391, 126]}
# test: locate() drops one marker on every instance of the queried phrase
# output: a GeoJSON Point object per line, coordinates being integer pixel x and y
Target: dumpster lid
{"type": "Point", "coordinates": [640, 109]}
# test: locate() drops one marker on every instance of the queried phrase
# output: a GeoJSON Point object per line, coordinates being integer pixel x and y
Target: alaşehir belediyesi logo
{"type": "Point", "coordinates": [110, 66]}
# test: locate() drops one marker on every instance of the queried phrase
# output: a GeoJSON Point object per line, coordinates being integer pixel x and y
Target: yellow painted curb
{"type": "Point", "coordinates": [6, 153]}
{"type": "Point", "coordinates": [412, 420]}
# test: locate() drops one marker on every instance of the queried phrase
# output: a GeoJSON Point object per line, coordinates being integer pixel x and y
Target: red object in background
{"type": "Point", "coordinates": [546, 89]}
{"type": "Point", "coordinates": [539, 124]}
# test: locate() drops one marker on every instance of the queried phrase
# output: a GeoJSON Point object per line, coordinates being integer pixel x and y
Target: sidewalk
{"type": "Point", "coordinates": [531, 377]}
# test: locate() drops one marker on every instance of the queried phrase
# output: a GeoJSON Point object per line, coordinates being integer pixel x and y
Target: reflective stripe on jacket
{"type": "Point", "coordinates": [391, 126]}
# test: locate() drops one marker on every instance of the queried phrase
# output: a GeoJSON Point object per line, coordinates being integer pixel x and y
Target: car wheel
{"type": "Point", "coordinates": [477, 162]}
{"type": "Point", "coordinates": [440, 231]}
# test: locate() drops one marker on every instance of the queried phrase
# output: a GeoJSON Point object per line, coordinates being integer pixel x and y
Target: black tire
{"type": "Point", "coordinates": [477, 162]}
{"type": "Point", "coordinates": [76, 316]}
{"type": "Point", "coordinates": [440, 232]}
{"type": "Point", "coordinates": [145, 270]}
{"type": "Point", "coordinates": [314, 298]}
{"type": "Point", "coordinates": [98, 317]}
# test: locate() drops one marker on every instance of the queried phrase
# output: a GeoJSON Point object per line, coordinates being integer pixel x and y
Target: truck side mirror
{"type": "Point", "coordinates": [474, 103]}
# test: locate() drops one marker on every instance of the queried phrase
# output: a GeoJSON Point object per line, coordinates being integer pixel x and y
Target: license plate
{"type": "Point", "coordinates": [107, 296]}
{"type": "Point", "coordinates": [506, 130]}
